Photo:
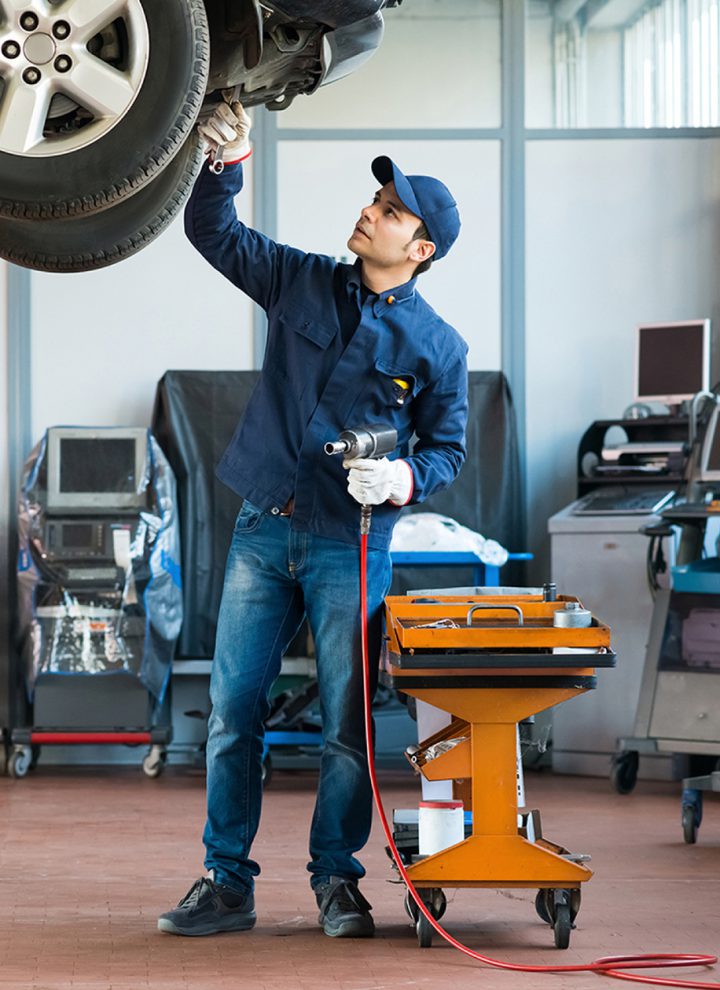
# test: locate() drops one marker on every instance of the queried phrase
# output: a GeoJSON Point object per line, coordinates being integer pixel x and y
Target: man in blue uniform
{"type": "Point", "coordinates": [348, 345]}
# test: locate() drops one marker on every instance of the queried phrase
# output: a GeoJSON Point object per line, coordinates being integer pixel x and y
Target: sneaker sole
{"type": "Point", "coordinates": [229, 924]}
{"type": "Point", "coordinates": [349, 929]}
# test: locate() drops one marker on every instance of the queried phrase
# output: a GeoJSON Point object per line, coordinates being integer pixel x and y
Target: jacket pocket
{"type": "Point", "coordinates": [395, 386]}
{"type": "Point", "coordinates": [318, 330]}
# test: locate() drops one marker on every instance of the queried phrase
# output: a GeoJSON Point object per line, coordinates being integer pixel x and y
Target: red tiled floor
{"type": "Point", "coordinates": [88, 859]}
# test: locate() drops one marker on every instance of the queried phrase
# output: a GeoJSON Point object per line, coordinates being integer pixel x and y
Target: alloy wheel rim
{"type": "Point", "coordinates": [69, 72]}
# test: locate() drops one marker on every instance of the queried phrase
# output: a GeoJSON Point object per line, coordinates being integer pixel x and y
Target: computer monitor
{"type": "Point", "coordinates": [673, 361]}
{"type": "Point", "coordinates": [710, 456]}
{"type": "Point", "coordinates": [96, 469]}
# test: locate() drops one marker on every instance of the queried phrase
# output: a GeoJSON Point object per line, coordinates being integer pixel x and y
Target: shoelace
{"type": "Point", "coordinates": [196, 891]}
{"type": "Point", "coordinates": [346, 897]}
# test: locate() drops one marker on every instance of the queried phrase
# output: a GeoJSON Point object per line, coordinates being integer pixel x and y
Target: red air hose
{"type": "Point", "coordinates": [614, 966]}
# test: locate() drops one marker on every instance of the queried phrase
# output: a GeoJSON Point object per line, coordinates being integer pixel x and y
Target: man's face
{"type": "Point", "coordinates": [384, 234]}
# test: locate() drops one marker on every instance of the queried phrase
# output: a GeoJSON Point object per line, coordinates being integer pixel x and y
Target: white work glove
{"type": "Point", "coordinates": [226, 130]}
{"type": "Point", "coordinates": [372, 482]}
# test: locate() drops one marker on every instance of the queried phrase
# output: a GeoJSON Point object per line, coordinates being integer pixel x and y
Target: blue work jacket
{"type": "Point", "coordinates": [315, 382]}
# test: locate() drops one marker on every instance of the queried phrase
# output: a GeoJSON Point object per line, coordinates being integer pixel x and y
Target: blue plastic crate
{"type": "Point", "coordinates": [701, 577]}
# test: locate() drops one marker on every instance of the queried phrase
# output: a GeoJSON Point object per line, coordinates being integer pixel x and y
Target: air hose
{"type": "Point", "coordinates": [614, 966]}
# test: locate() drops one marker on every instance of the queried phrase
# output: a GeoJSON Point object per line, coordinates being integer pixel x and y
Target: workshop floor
{"type": "Point", "coordinates": [89, 858]}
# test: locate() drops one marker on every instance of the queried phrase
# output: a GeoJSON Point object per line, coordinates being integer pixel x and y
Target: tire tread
{"type": "Point", "coordinates": [127, 246]}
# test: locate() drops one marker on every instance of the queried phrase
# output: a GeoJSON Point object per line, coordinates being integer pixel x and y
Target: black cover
{"type": "Point", "coordinates": [194, 418]}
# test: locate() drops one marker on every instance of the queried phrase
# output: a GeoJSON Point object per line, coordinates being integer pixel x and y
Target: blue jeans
{"type": "Point", "coordinates": [274, 577]}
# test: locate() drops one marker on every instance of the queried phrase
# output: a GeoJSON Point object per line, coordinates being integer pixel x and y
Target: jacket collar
{"type": "Point", "coordinates": [389, 296]}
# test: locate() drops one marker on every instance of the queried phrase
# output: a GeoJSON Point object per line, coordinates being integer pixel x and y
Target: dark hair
{"type": "Point", "coordinates": [422, 234]}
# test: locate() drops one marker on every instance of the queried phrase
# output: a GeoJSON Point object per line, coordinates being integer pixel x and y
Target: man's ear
{"type": "Point", "coordinates": [422, 251]}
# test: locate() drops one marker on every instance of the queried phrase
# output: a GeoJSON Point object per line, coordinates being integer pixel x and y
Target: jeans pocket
{"type": "Point", "coordinates": [248, 518]}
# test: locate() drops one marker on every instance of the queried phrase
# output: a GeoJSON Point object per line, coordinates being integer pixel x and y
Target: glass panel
{"type": "Point", "coordinates": [438, 66]}
{"type": "Point", "coordinates": [464, 287]}
{"type": "Point", "coordinates": [623, 63]}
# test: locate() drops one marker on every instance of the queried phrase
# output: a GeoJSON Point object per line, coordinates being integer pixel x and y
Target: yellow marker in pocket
{"type": "Point", "coordinates": [401, 389]}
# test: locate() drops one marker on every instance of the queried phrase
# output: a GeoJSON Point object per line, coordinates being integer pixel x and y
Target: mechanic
{"type": "Point", "coordinates": [347, 345]}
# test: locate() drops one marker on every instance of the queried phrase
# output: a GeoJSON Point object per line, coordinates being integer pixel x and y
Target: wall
{"type": "Point", "coordinates": [619, 233]}
{"type": "Point", "coordinates": [413, 80]}
{"type": "Point", "coordinates": [102, 339]}
{"type": "Point", "coordinates": [465, 286]}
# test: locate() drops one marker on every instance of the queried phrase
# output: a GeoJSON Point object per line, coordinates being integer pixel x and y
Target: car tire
{"type": "Point", "coordinates": [84, 243]}
{"type": "Point", "coordinates": [153, 60]}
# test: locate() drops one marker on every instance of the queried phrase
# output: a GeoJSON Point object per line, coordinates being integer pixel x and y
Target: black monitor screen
{"type": "Point", "coordinates": [97, 465]}
{"type": "Point", "coordinates": [671, 360]}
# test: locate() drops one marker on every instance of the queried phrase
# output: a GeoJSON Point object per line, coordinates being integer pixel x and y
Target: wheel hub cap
{"type": "Point", "coordinates": [39, 49]}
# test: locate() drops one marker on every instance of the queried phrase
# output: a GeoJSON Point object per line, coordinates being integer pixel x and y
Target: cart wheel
{"type": "Point", "coordinates": [541, 905]}
{"type": "Point", "coordinates": [439, 903]}
{"type": "Point", "coordinates": [689, 824]}
{"type": "Point", "coordinates": [267, 770]}
{"type": "Point", "coordinates": [435, 901]}
{"type": "Point", "coordinates": [562, 926]}
{"type": "Point", "coordinates": [624, 771]}
{"type": "Point", "coordinates": [154, 763]}
{"type": "Point", "coordinates": [411, 907]}
{"type": "Point", "coordinates": [425, 931]}
{"type": "Point", "coordinates": [35, 751]}
{"type": "Point", "coordinates": [19, 762]}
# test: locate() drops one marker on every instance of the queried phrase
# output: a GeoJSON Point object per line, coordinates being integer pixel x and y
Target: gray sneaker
{"type": "Point", "coordinates": [344, 912]}
{"type": "Point", "coordinates": [207, 908]}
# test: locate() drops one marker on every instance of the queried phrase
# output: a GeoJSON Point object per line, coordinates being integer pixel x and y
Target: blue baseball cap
{"type": "Point", "coordinates": [428, 198]}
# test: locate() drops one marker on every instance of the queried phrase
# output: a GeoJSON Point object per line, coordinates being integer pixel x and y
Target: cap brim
{"type": "Point", "coordinates": [385, 170]}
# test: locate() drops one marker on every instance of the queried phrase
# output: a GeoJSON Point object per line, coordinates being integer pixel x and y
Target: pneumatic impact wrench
{"type": "Point", "coordinates": [365, 441]}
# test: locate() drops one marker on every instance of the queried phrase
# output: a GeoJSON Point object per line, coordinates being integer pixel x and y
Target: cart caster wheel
{"type": "Point", "coordinates": [267, 770]}
{"type": "Point", "coordinates": [34, 755]}
{"type": "Point", "coordinates": [562, 926]}
{"type": "Point", "coordinates": [154, 763]}
{"type": "Point", "coordinates": [19, 762]}
{"type": "Point", "coordinates": [541, 906]}
{"type": "Point", "coordinates": [689, 824]}
{"type": "Point", "coordinates": [439, 903]}
{"type": "Point", "coordinates": [435, 901]}
{"type": "Point", "coordinates": [625, 770]}
{"type": "Point", "coordinates": [425, 932]}
{"type": "Point", "coordinates": [411, 908]}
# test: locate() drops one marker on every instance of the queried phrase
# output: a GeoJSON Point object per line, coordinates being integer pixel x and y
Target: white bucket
{"type": "Point", "coordinates": [440, 824]}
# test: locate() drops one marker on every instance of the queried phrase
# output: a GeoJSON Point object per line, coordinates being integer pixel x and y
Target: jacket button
{"type": "Point", "coordinates": [275, 511]}
{"type": "Point", "coordinates": [391, 299]}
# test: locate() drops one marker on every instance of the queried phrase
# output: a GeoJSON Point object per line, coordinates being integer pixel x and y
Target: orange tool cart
{"type": "Point", "coordinates": [492, 661]}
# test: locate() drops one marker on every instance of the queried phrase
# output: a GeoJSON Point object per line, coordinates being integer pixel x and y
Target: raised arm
{"type": "Point", "coordinates": [253, 262]}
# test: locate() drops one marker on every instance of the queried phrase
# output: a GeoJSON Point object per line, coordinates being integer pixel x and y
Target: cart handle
{"type": "Point", "coordinates": [499, 608]}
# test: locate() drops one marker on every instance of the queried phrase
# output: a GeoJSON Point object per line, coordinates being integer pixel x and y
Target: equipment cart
{"type": "Point", "coordinates": [492, 661]}
{"type": "Point", "coordinates": [99, 598]}
{"type": "Point", "coordinates": [679, 705]}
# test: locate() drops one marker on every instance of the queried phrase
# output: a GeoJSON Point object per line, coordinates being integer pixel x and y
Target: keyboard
{"type": "Point", "coordinates": [616, 502]}
{"type": "Point", "coordinates": [99, 575]}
